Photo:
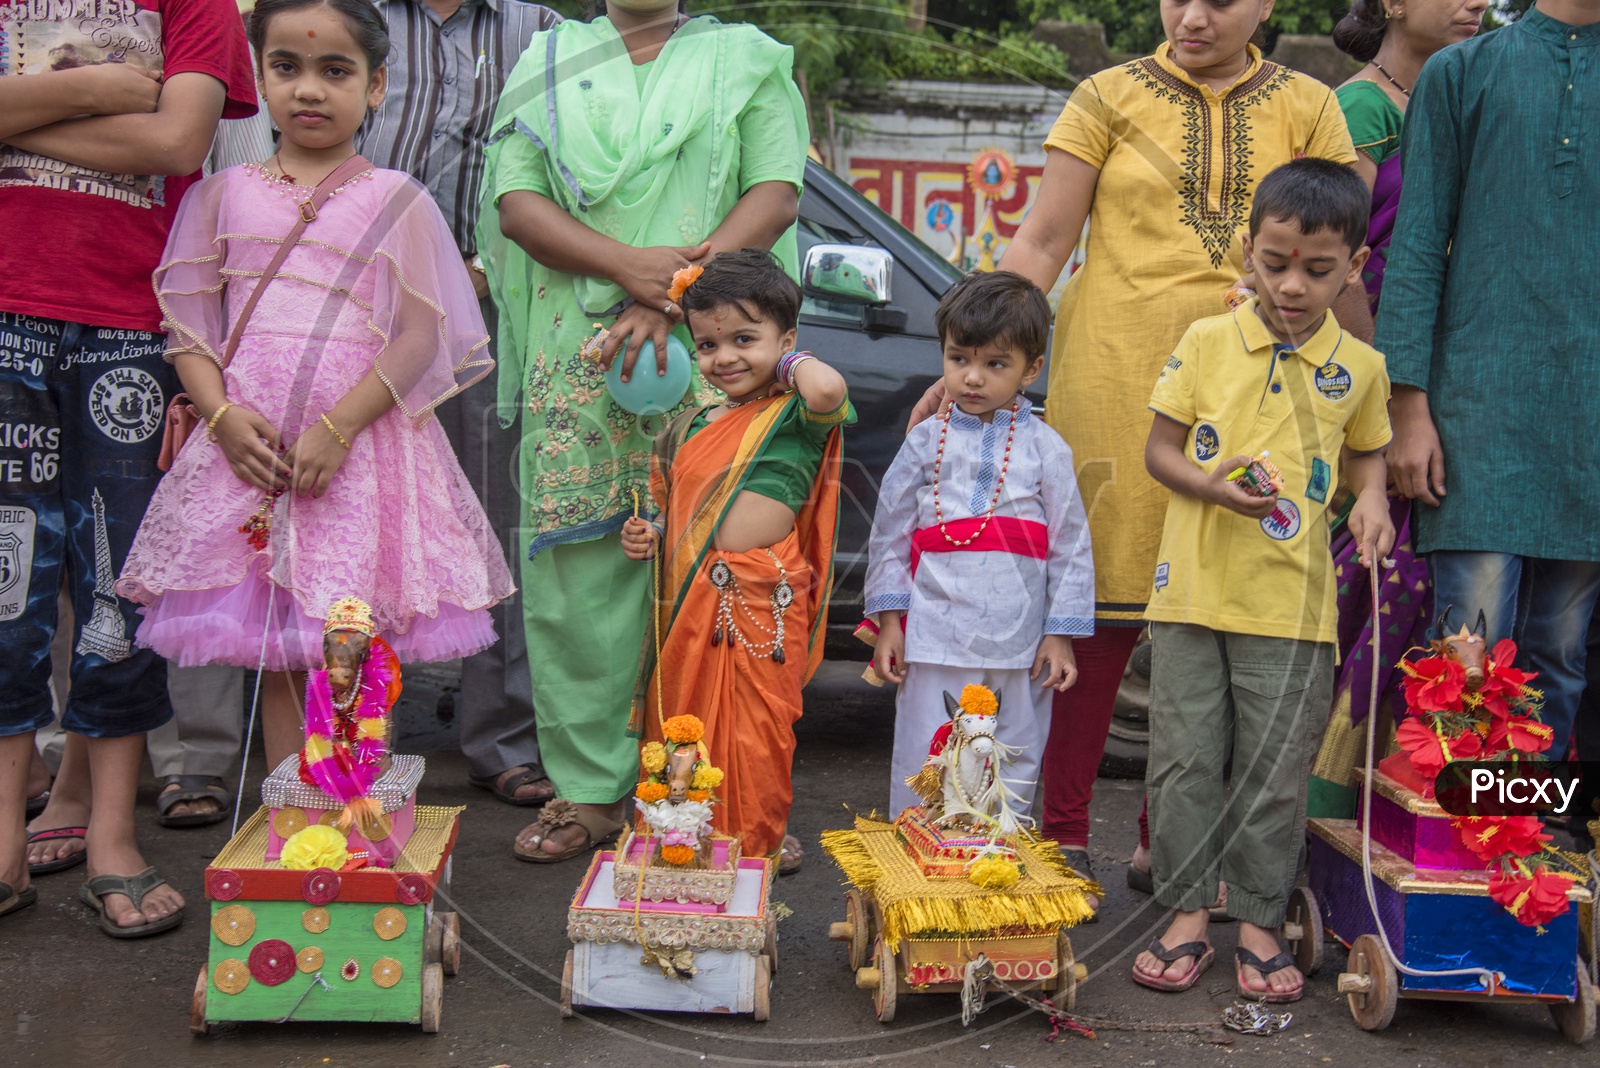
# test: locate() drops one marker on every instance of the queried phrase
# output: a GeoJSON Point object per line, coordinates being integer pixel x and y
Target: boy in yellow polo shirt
{"type": "Point", "coordinates": [1243, 614]}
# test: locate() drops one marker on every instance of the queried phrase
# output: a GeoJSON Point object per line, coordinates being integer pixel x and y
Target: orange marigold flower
{"type": "Point", "coordinates": [978, 701]}
{"type": "Point", "coordinates": [677, 854]}
{"type": "Point", "coordinates": [682, 280]}
{"type": "Point", "coordinates": [651, 792]}
{"type": "Point", "coordinates": [699, 795]}
{"type": "Point", "coordinates": [683, 730]}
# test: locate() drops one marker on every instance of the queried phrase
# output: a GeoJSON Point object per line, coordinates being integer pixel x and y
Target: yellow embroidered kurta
{"type": "Point", "coordinates": [1178, 166]}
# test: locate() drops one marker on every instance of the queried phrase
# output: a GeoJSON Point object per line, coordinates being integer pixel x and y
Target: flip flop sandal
{"type": "Point", "coordinates": [1200, 951]}
{"type": "Point", "coordinates": [790, 857]}
{"type": "Point", "coordinates": [134, 888]}
{"type": "Point", "coordinates": [507, 791]}
{"type": "Point", "coordinates": [1078, 861]}
{"type": "Point", "coordinates": [558, 813]}
{"type": "Point", "coordinates": [37, 804]}
{"type": "Point", "coordinates": [16, 900]}
{"type": "Point", "coordinates": [1141, 882]}
{"type": "Point", "coordinates": [71, 860]}
{"type": "Point", "coordinates": [193, 788]}
{"type": "Point", "coordinates": [1242, 957]}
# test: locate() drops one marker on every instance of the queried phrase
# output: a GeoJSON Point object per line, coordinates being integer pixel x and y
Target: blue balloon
{"type": "Point", "coordinates": [648, 393]}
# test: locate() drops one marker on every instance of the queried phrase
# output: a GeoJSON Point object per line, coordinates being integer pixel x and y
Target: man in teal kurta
{"type": "Point", "coordinates": [1491, 330]}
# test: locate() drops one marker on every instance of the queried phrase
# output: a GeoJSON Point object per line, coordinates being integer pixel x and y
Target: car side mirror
{"type": "Point", "coordinates": [848, 274]}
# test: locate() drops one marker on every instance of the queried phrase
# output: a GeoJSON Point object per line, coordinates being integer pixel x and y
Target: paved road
{"type": "Point", "coordinates": [78, 998]}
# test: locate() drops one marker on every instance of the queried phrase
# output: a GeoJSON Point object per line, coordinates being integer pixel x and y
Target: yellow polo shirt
{"type": "Point", "coordinates": [1240, 392]}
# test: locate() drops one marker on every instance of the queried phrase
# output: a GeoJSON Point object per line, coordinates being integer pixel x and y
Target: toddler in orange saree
{"type": "Point", "coordinates": [746, 499]}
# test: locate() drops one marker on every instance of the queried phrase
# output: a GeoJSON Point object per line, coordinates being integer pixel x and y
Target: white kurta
{"type": "Point", "coordinates": [982, 609]}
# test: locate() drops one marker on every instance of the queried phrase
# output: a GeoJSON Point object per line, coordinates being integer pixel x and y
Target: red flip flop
{"type": "Point", "coordinates": [1202, 953]}
{"type": "Point", "coordinates": [71, 860]}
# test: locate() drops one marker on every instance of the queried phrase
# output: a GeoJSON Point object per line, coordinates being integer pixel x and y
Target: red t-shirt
{"type": "Point", "coordinates": [81, 244]}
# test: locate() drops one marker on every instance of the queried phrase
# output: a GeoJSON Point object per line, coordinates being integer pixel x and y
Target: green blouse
{"type": "Point", "coordinates": [1373, 118]}
{"type": "Point", "coordinates": [788, 466]}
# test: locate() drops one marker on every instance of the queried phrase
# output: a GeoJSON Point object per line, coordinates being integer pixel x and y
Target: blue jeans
{"type": "Point", "coordinates": [81, 416]}
{"type": "Point", "coordinates": [1543, 605]}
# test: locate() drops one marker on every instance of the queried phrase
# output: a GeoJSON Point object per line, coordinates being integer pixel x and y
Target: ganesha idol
{"type": "Point", "coordinates": [344, 777]}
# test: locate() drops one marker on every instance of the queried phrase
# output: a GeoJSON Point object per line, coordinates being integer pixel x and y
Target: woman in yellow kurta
{"type": "Point", "coordinates": [1161, 156]}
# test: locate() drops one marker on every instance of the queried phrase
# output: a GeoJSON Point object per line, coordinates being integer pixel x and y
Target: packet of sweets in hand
{"type": "Point", "coordinates": [1260, 478]}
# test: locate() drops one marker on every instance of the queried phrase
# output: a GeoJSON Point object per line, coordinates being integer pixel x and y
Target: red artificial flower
{"type": "Point", "coordinates": [1522, 733]}
{"type": "Point", "coordinates": [1422, 744]}
{"type": "Point", "coordinates": [1435, 684]}
{"type": "Point", "coordinates": [1547, 898]}
{"type": "Point", "coordinates": [1502, 683]}
{"type": "Point", "coordinates": [1532, 899]}
{"type": "Point", "coordinates": [1492, 837]}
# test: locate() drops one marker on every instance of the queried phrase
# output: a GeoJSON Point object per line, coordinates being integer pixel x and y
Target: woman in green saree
{"type": "Point", "coordinates": [623, 150]}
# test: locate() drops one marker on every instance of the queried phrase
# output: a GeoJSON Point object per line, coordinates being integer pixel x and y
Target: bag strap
{"type": "Point", "coordinates": [308, 213]}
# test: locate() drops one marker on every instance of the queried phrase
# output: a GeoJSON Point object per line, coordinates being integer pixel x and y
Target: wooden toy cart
{"type": "Point", "coordinates": [911, 870]}
{"type": "Point", "coordinates": [1437, 914]}
{"type": "Point", "coordinates": [362, 945]}
{"type": "Point", "coordinates": [723, 929]}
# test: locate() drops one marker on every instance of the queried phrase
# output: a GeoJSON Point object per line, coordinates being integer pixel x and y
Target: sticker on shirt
{"type": "Point", "coordinates": [1161, 574]}
{"type": "Point", "coordinates": [1283, 523]}
{"type": "Point", "coordinates": [127, 404]}
{"type": "Point", "coordinates": [1207, 442]}
{"type": "Point", "coordinates": [62, 35]}
{"type": "Point", "coordinates": [17, 526]}
{"type": "Point", "coordinates": [1321, 478]}
{"type": "Point", "coordinates": [1332, 381]}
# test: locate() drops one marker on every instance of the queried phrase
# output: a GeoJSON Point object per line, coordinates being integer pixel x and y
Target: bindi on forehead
{"type": "Point", "coordinates": [311, 33]}
{"type": "Point", "coordinates": [1295, 253]}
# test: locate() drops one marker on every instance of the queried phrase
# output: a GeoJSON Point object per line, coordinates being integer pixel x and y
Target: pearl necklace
{"type": "Point", "coordinates": [1000, 483]}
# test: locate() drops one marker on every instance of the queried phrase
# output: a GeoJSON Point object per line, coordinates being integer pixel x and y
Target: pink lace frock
{"type": "Point", "coordinates": [376, 279]}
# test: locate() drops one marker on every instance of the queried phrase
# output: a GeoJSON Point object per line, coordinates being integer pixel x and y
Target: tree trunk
{"type": "Point", "coordinates": [917, 19]}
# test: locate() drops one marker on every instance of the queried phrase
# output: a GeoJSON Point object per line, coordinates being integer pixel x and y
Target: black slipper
{"type": "Point", "coordinates": [507, 791]}
{"type": "Point", "coordinates": [1078, 861]}
{"type": "Point", "coordinates": [193, 788]}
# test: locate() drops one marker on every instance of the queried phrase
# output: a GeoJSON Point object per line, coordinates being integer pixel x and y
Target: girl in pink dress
{"type": "Point", "coordinates": [319, 438]}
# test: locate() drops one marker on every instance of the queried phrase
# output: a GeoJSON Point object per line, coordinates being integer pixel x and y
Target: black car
{"type": "Point", "coordinates": [871, 287]}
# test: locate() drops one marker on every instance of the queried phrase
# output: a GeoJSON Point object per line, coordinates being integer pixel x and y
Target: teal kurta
{"type": "Point", "coordinates": [1491, 300]}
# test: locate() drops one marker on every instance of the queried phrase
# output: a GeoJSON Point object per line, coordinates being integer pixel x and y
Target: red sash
{"type": "Point", "coordinates": [1004, 534]}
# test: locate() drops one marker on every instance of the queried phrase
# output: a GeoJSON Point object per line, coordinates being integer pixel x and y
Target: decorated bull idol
{"type": "Point", "coordinates": [675, 796]}
{"type": "Point", "coordinates": [961, 782]}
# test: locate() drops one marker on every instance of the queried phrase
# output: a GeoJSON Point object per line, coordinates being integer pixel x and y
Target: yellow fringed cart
{"type": "Point", "coordinates": [915, 917]}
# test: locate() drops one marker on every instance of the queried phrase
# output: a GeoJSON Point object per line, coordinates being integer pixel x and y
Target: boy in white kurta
{"type": "Point", "coordinates": [979, 568]}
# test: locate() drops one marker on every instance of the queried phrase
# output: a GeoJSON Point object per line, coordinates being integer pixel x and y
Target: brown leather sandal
{"type": "Point", "coordinates": [598, 830]}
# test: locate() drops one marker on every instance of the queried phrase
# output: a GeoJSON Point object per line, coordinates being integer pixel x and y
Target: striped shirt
{"type": "Point", "coordinates": [445, 78]}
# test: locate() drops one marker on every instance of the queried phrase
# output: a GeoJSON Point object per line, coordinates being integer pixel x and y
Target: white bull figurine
{"type": "Point", "coordinates": [961, 779]}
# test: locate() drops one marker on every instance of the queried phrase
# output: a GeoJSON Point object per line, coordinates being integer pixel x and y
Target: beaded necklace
{"type": "Point", "coordinates": [1000, 483]}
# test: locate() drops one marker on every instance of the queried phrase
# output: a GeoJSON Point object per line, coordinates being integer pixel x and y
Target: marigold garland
{"type": "Point", "coordinates": [699, 795]}
{"type": "Point", "coordinates": [994, 872]}
{"type": "Point", "coordinates": [979, 701]}
{"type": "Point", "coordinates": [651, 792]}
{"type": "Point", "coordinates": [706, 777]}
{"type": "Point", "coordinates": [653, 757]}
{"type": "Point", "coordinates": [677, 854]}
{"type": "Point", "coordinates": [683, 730]}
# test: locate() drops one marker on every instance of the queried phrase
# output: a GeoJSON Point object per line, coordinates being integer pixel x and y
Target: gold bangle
{"type": "Point", "coordinates": [211, 424]}
{"type": "Point", "coordinates": [335, 431]}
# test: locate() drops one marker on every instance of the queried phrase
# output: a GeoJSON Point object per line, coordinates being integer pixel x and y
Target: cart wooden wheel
{"type": "Point", "coordinates": [1370, 984]}
{"type": "Point", "coordinates": [771, 947]}
{"type": "Point", "coordinates": [433, 940]}
{"type": "Point", "coordinates": [763, 989]}
{"type": "Point", "coordinates": [450, 943]}
{"type": "Point", "coordinates": [1066, 993]}
{"type": "Point", "coordinates": [566, 988]}
{"type": "Point", "coordinates": [197, 1008]}
{"type": "Point", "coordinates": [432, 997]}
{"type": "Point", "coordinates": [1576, 1018]}
{"type": "Point", "coordinates": [1302, 929]}
{"type": "Point", "coordinates": [856, 931]}
{"type": "Point", "coordinates": [883, 994]}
